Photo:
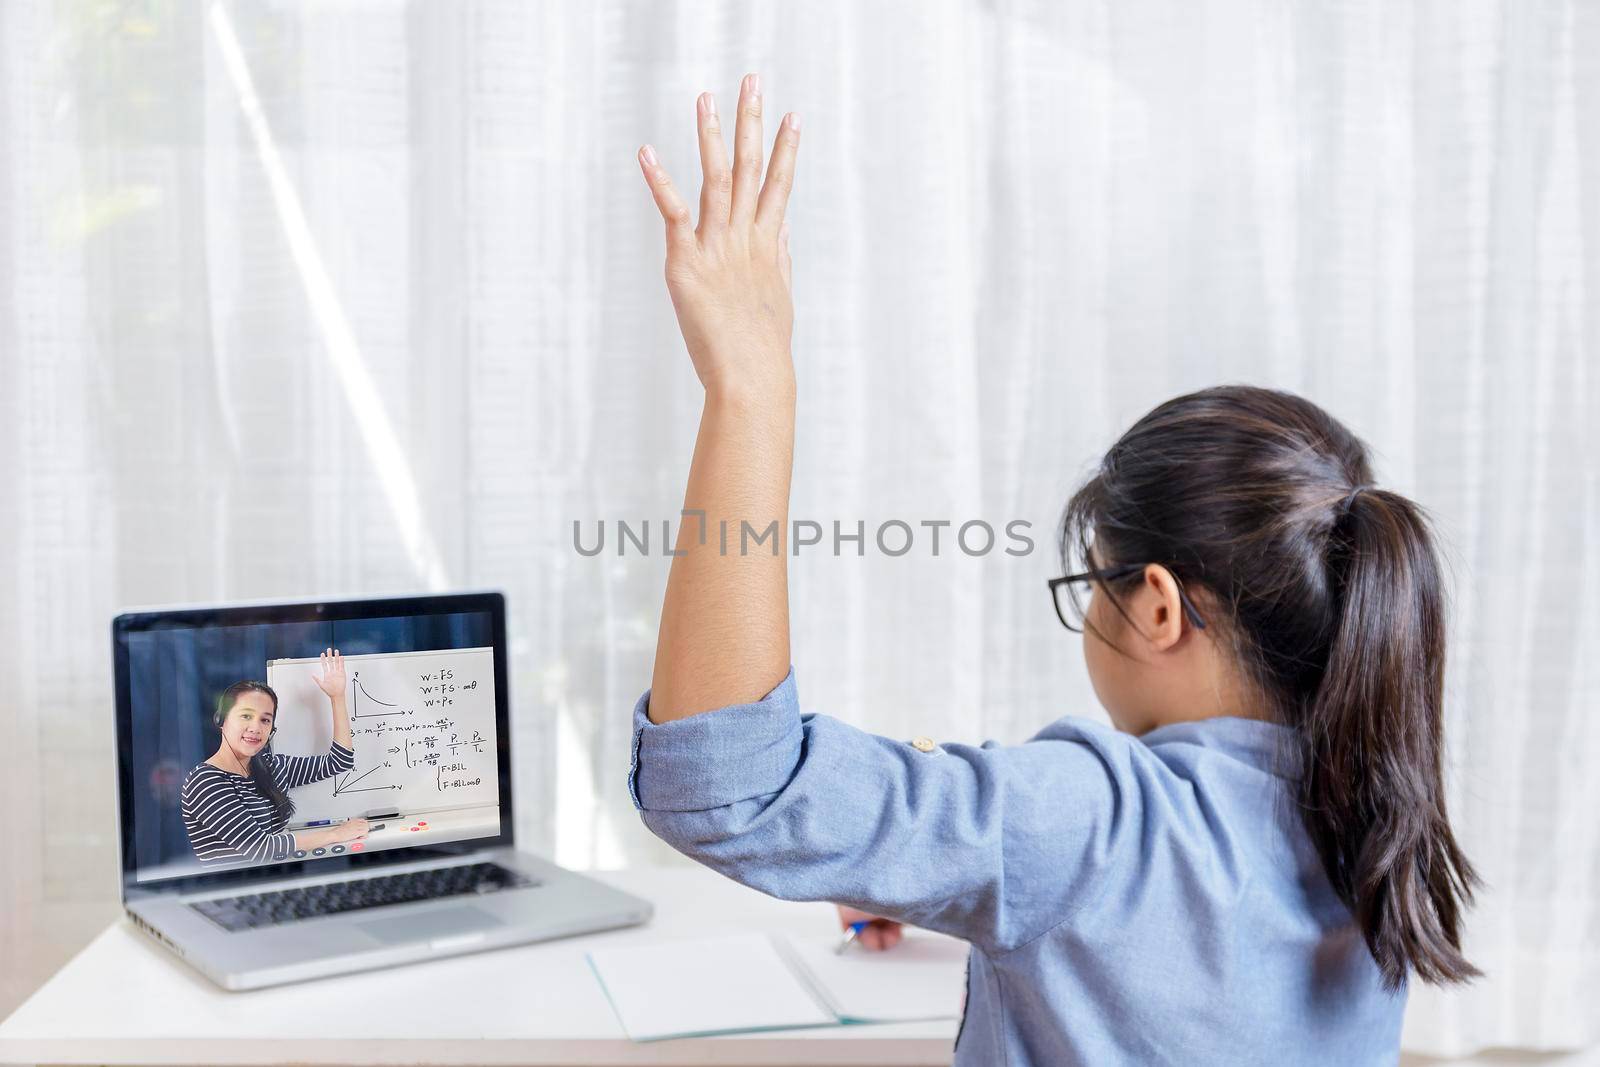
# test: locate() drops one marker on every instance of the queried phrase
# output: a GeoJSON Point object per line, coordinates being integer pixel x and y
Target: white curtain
{"type": "Point", "coordinates": [367, 298]}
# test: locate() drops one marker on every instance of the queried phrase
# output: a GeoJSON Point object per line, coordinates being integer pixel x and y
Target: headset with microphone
{"type": "Point", "coordinates": [225, 702]}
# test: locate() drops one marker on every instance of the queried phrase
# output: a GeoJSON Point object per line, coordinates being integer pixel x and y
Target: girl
{"type": "Point", "coordinates": [233, 812]}
{"type": "Point", "coordinates": [1247, 869]}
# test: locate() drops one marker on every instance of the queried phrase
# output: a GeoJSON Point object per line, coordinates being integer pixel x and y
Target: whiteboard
{"type": "Point", "coordinates": [422, 725]}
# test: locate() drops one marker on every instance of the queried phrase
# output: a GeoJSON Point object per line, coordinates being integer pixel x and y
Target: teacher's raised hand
{"type": "Point", "coordinates": [729, 277]}
{"type": "Point", "coordinates": [332, 679]}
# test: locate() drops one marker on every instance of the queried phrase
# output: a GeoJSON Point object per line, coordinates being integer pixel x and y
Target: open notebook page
{"type": "Point", "coordinates": [744, 982]}
{"type": "Point", "coordinates": [923, 977]}
{"type": "Point", "coordinates": [713, 985]}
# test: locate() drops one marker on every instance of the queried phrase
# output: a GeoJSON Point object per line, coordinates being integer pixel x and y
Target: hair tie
{"type": "Point", "coordinates": [1344, 505]}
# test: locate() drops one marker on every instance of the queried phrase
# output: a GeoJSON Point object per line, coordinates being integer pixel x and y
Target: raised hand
{"type": "Point", "coordinates": [332, 679]}
{"type": "Point", "coordinates": [729, 277]}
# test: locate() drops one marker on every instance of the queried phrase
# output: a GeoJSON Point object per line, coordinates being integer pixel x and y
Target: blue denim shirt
{"type": "Point", "coordinates": [1128, 899]}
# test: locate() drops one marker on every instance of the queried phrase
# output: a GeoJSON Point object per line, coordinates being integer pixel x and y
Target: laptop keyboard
{"type": "Point", "coordinates": [255, 910]}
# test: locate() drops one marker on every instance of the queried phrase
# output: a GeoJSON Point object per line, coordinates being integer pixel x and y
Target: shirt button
{"type": "Point", "coordinates": [923, 744]}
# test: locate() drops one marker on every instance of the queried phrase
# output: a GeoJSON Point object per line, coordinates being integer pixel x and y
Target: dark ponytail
{"type": "Point", "coordinates": [1371, 744]}
{"type": "Point", "coordinates": [267, 782]}
{"type": "Point", "coordinates": [1331, 597]}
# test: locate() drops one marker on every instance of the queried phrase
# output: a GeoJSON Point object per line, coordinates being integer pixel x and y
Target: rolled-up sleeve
{"type": "Point", "coordinates": [990, 844]}
{"type": "Point", "coordinates": [755, 749]}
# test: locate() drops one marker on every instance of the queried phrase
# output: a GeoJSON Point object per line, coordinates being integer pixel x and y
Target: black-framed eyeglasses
{"type": "Point", "coordinates": [1071, 594]}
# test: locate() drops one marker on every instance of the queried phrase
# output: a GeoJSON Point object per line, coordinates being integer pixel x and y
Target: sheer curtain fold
{"type": "Point", "coordinates": [361, 299]}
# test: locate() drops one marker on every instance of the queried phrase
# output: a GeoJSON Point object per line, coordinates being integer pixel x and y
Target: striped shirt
{"type": "Point", "coordinates": [228, 816]}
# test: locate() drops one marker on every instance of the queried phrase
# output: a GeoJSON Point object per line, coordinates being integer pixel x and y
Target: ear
{"type": "Point", "coordinates": [1162, 612]}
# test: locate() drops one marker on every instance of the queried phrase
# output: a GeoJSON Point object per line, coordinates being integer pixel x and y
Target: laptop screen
{"type": "Point", "coordinates": [307, 736]}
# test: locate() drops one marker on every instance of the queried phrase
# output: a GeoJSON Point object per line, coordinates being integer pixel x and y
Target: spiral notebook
{"type": "Point", "coordinates": [741, 983]}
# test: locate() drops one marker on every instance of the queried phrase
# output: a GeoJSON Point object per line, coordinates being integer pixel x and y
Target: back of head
{"type": "Point", "coordinates": [1331, 597]}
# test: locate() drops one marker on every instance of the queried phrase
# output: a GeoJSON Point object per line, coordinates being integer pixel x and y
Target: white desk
{"type": "Point", "coordinates": [126, 1000]}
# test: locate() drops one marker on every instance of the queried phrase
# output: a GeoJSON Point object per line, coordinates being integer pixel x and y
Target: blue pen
{"type": "Point", "coordinates": [321, 822]}
{"type": "Point", "coordinates": [850, 935]}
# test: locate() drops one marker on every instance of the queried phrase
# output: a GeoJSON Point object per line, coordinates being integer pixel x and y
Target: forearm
{"type": "Point", "coordinates": [724, 635]}
{"type": "Point", "coordinates": [320, 838]}
{"type": "Point", "coordinates": [306, 840]}
{"type": "Point", "coordinates": [341, 721]}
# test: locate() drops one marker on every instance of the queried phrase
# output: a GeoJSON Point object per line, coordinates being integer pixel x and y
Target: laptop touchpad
{"type": "Point", "coordinates": [427, 925]}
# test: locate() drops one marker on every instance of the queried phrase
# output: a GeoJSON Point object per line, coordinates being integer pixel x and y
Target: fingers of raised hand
{"type": "Point", "coordinates": [737, 197]}
{"type": "Point", "coordinates": [674, 211]}
{"type": "Point", "coordinates": [747, 153]}
{"type": "Point", "coordinates": [716, 184]}
{"type": "Point", "coordinates": [780, 176]}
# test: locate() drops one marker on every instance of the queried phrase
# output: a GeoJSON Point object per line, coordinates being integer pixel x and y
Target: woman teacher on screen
{"type": "Point", "coordinates": [236, 805]}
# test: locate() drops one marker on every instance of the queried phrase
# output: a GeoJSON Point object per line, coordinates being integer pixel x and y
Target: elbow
{"type": "Point", "coordinates": [719, 786]}
{"type": "Point", "coordinates": [750, 842]}
{"type": "Point", "coordinates": [709, 832]}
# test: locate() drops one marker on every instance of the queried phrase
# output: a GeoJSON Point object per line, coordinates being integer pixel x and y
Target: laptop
{"type": "Point", "coordinates": [319, 787]}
